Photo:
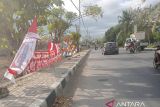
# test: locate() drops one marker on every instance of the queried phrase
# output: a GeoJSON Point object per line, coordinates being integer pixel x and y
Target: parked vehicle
{"type": "Point", "coordinates": [143, 44]}
{"type": "Point", "coordinates": [156, 60]}
{"type": "Point", "coordinates": [110, 48]}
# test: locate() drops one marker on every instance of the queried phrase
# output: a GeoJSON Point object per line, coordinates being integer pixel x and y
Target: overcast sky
{"type": "Point", "coordinates": [111, 8]}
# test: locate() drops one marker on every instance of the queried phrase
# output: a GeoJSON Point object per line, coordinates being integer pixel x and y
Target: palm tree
{"type": "Point", "coordinates": [126, 20]}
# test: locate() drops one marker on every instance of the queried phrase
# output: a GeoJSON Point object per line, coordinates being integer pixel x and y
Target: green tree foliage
{"type": "Point", "coordinates": [70, 16]}
{"type": "Point", "coordinates": [126, 21]}
{"type": "Point", "coordinates": [156, 31]}
{"type": "Point", "coordinates": [17, 15]}
{"type": "Point", "coordinates": [59, 21]}
{"type": "Point", "coordinates": [75, 37]}
{"type": "Point", "coordinates": [113, 34]}
{"type": "Point", "coordinates": [94, 11]}
{"type": "Point", "coordinates": [146, 19]}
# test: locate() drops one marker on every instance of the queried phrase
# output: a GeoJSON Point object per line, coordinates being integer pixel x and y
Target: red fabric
{"type": "Point", "coordinates": [50, 46]}
{"type": "Point", "coordinates": [53, 47]}
{"type": "Point", "coordinates": [33, 27]}
{"type": "Point", "coordinates": [12, 71]}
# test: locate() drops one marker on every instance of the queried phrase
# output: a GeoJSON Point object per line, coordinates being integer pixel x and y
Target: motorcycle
{"type": "Point", "coordinates": [132, 45]}
{"type": "Point", "coordinates": [131, 48]}
{"type": "Point", "coordinates": [156, 59]}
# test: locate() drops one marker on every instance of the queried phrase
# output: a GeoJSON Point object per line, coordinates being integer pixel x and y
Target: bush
{"type": "Point", "coordinates": [151, 46]}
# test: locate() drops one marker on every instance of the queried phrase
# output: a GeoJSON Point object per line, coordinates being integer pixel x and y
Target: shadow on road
{"type": "Point", "coordinates": [115, 76]}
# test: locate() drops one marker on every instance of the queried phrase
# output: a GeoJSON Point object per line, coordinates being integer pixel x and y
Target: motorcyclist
{"type": "Point", "coordinates": [96, 47]}
{"type": "Point", "coordinates": [132, 43]}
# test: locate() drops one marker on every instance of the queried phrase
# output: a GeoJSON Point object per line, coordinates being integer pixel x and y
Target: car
{"type": "Point", "coordinates": [110, 48]}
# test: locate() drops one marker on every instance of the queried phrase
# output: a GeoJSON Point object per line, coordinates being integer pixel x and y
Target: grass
{"type": "Point", "coordinates": [151, 46]}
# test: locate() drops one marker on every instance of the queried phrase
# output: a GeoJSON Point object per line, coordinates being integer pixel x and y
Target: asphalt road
{"type": "Point", "coordinates": [119, 78]}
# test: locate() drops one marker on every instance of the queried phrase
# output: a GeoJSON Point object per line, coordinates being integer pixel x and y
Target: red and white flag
{"type": "Point", "coordinates": [57, 48]}
{"type": "Point", "coordinates": [54, 47]}
{"type": "Point", "coordinates": [50, 46]}
{"type": "Point", "coordinates": [24, 54]}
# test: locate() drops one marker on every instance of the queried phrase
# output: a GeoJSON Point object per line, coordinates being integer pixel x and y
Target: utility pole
{"type": "Point", "coordinates": [79, 15]}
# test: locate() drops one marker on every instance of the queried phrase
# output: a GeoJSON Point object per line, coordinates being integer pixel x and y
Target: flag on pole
{"type": "Point", "coordinates": [50, 46]}
{"type": "Point", "coordinates": [54, 47]}
{"type": "Point", "coordinates": [57, 48]}
{"type": "Point", "coordinates": [24, 54]}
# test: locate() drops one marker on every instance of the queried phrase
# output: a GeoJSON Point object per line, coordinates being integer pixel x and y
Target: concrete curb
{"type": "Point", "coordinates": [59, 85]}
{"type": "Point", "coordinates": [150, 49]}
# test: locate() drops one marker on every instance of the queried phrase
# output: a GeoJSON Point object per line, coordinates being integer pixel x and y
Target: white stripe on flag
{"type": "Point", "coordinates": [9, 76]}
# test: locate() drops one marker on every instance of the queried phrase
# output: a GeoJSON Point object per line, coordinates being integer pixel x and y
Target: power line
{"type": "Point", "coordinates": [80, 15]}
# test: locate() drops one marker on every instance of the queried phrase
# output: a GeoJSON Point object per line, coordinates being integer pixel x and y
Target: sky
{"type": "Point", "coordinates": [111, 10]}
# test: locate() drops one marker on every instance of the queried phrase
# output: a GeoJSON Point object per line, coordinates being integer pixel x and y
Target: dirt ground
{"type": "Point", "coordinates": [63, 102]}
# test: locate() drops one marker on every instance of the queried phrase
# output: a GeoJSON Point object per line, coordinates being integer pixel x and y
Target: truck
{"type": "Point", "coordinates": [140, 37]}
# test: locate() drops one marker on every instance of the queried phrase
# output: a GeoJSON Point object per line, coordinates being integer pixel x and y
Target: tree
{"type": "Point", "coordinates": [70, 16]}
{"type": "Point", "coordinates": [17, 16]}
{"type": "Point", "coordinates": [126, 20]}
{"type": "Point", "coordinates": [112, 34]}
{"type": "Point", "coordinates": [146, 19]}
{"type": "Point", "coordinates": [6, 28]}
{"type": "Point", "coordinates": [156, 31]}
{"type": "Point", "coordinates": [94, 11]}
{"type": "Point", "coordinates": [75, 36]}
{"type": "Point", "coordinates": [59, 21]}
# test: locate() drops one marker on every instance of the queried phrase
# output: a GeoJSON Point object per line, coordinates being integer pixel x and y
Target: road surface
{"type": "Point", "coordinates": [118, 78]}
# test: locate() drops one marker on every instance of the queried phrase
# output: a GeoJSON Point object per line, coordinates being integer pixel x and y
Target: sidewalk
{"type": "Point", "coordinates": [150, 49]}
{"type": "Point", "coordinates": [39, 88]}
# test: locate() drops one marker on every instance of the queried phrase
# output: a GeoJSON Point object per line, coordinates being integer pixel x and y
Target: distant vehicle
{"type": "Point", "coordinates": [156, 59]}
{"type": "Point", "coordinates": [110, 48]}
{"type": "Point", "coordinates": [140, 36]}
{"type": "Point", "coordinates": [143, 44]}
{"type": "Point", "coordinates": [138, 45]}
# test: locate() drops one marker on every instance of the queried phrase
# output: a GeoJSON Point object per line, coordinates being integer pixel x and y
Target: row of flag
{"type": "Point", "coordinates": [26, 52]}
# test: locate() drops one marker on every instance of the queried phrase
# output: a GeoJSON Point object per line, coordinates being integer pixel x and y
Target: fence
{"type": "Point", "coordinates": [42, 59]}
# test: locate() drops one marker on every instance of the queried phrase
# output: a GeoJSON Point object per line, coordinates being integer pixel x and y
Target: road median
{"type": "Point", "coordinates": [42, 88]}
{"type": "Point", "coordinates": [150, 49]}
